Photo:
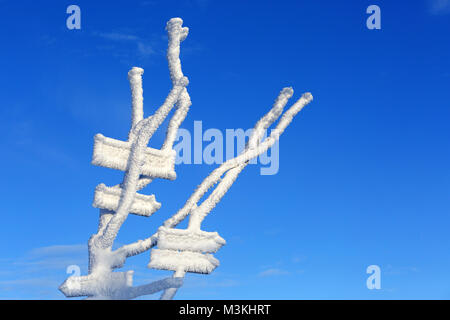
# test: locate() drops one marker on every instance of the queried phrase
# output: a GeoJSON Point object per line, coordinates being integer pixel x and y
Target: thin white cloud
{"type": "Point", "coordinates": [38, 282]}
{"type": "Point", "coordinates": [115, 36]}
{"type": "Point", "coordinates": [59, 250]}
{"type": "Point", "coordinates": [144, 48]}
{"type": "Point", "coordinates": [298, 258]}
{"type": "Point", "coordinates": [273, 272]}
{"type": "Point", "coordinates": [52, 258]}
{"type": "Point", "coordinates": [438, 7]}
{"type": "Point", "coordinates": [390, 270]}
{"type": "Point", "coordinates": [60, 263]}
{"type": "Point", "coordinates": [38, 273]}
{"type": "Point", "coordinates": [211, 282]}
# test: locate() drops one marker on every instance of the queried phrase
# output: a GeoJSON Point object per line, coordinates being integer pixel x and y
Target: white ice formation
{"type": "Point", "coordinates": [179, 250]}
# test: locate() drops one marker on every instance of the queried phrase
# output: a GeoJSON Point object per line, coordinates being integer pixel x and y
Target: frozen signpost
{"type": "Point", "coordinates": [178, 250]}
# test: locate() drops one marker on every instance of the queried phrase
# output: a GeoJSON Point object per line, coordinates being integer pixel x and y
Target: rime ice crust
{"type": "Point", "coordinates": [184, 261]}
{"type": "Point", "coordinates": [179, 250]}
{"type": "Point", "coordinates": [109, 197]}
{"type": "Point", "coordinates": [189, 240]}
{"type": "Point", "coordinates": [186, 250]}
{"type": "Point", "coordinates": [141, 165]}
{"type": "Point", "coordinates": [114, 154]}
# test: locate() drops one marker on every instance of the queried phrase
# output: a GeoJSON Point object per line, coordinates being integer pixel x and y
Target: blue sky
{"type": "Point", "coordinates": [364, 173]}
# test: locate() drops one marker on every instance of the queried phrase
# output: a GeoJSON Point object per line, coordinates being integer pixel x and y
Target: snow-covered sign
{"type": "Point", "coordinates": [186, 250]}
{"type": "Point", "coordinates": [114, 154]}
{"type": "Point", "coordinates": [178, 250]}
{"type": "Point", "coordinates": [109, 197]}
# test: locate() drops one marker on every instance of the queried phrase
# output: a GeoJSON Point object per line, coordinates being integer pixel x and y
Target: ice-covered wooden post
{"type": "Point", "coordinates": [179, 250]}
{"type": "Point", "coordinates": [141, 165]}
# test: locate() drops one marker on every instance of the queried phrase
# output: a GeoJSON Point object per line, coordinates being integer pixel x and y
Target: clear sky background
{"type": "Point", "coordinates": [364, 173]}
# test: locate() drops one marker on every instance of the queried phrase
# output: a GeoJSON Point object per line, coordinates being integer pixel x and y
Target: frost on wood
{"type": "Point", "coordinates": [108, 198]}
{"type": "Point", "coordinates": [179, 250]}
{"type": "Point", "coordinates": [141, 165]}
{"type": "Point", "coordinates": [114, 154]}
